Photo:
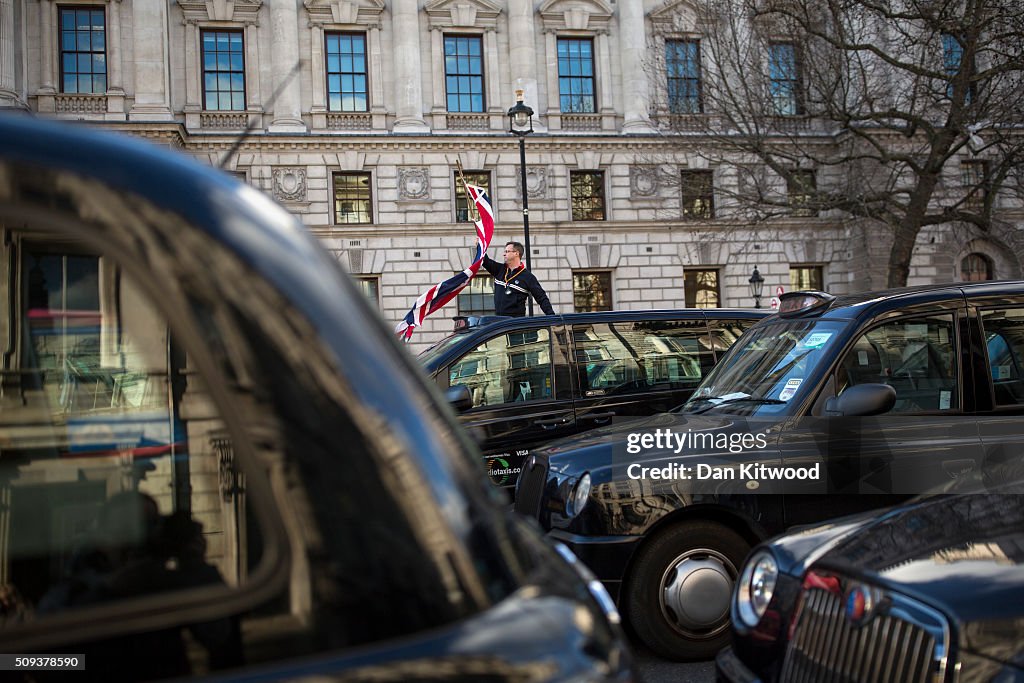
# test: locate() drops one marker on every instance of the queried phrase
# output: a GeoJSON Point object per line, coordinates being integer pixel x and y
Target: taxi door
{"type": "Point", "coordinates": [927, 440]}
{"type": "Point", "coordinates": [999, 385]}
{"type": "Point", "coordinates": [518, 382]}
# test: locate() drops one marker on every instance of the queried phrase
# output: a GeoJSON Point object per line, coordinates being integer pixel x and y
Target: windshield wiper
{"type": "Point", "coordinates": [738, 399]}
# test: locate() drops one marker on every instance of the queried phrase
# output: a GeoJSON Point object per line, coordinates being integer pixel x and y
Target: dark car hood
{"type": "Point", "coordinates": [963, 554]}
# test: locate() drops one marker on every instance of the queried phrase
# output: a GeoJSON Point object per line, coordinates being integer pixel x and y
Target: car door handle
{"type": "Point", "coordinates": [954, 468]}
{"type": "Point", "coordinates": [553, 422]}
{"type": "Point", "coordinates": [599, 416]}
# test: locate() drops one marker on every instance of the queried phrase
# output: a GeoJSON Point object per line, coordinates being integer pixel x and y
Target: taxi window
{"type": "Point", "coordinates": [622, 358]}
{"type": "Point", "coordinates": [119, 480]}
{"type": "Point", "coordinates": [1004, 341]}
{"type": "Point", "coordinates": [917, 357]}
{"type": "Point", "coordinates": [508, 368]}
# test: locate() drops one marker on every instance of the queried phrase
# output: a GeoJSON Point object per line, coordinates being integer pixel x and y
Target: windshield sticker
{"type": "Point", "coordinates": [1004, 372]}
{"type": "Point", "coordinates": [817, 340]}
{"type": "Point", "coordinates": [791, 386]}
{"type": "Point", "coordinates": [862, 357]}
{"type": "Point", "coordinates": [944, 397]}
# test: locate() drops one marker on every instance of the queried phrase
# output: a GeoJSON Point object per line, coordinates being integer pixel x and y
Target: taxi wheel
{"type": "Point", "coordinates": [678, 595]}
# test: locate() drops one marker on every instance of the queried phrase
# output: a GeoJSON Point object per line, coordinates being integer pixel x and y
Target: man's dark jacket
{"type": "Point", "coordinates": [510, 295]}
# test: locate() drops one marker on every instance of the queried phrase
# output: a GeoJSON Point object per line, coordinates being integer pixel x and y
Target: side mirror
{"type": "Point", "coordinates": [459, 397]}
{"type": "Point", "coordinates": [862, 400]}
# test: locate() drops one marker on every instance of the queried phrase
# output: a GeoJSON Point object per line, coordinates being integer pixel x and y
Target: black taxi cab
{"type": "Point", "coordinates": [518, 383]}
{"type": "Point", "coordinates": [833, 406]}
{"type": "Point", "coordinates": [928, 591]}
{"type": "Point", "coordinates": [215, 460]}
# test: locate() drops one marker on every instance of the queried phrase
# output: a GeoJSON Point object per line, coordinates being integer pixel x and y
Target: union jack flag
{"type": "Point", "coordinates": [443, 292]}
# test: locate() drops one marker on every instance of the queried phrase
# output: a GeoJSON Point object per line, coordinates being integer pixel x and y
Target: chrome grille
{"type": "Point", "coordinates": [903, 642]}
{"type": "Point", "coordinates": [530, 488]}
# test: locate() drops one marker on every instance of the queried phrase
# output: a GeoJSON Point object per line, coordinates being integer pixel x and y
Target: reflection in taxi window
{"type": "Point", "coordinates": [1004, 337]}
{"type": "Point", "coordinates": [622, 358]}
{"type": "Point", "coordinates": [508, 368]}
{"type": "Point", "coordinates": [915, 356]}
{"type": "Point", "coordinates": [116, 471]}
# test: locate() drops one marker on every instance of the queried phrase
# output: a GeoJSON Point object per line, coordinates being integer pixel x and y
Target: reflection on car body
{"type": "Point", "coordinates": [864, 400]}
{"type": "Point", "coordinates": [529, 381]}
{"type": "Point", "coordinates": [214, 457]}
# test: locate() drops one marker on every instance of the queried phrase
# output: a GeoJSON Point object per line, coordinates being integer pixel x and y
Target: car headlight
{"type": "Point", "coordinates": [756, 586]}
{"type": "Point", "coordinates": [578, 496]}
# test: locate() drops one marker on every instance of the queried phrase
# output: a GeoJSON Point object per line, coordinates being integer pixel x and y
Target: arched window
{"type": "Point", "coordinates": [976, 267]}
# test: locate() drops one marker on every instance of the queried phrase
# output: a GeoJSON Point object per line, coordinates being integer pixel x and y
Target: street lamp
{"type": "Point", "coordinates": [520, 124]}
{"type": "Point", "coordinates": [756, 286]}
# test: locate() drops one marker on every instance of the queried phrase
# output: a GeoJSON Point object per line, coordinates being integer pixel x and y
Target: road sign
{"type": "Point", "coordinates": [775, 303]}
{"type": "Point", "coordinates": [779, 291]}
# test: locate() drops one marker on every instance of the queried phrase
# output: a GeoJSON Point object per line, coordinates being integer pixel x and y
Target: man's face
{"type": "Point", "coordinates": [511, 256]}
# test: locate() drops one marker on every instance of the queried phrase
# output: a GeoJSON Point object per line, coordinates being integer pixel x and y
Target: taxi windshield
{"type": "Point", "coordinates": [766, 369]}
{"type": "Point", "coordinates": [429, 357]}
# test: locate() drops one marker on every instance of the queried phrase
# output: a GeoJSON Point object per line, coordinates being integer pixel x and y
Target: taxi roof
{"type": "Point", "coordinates": [867, 304]}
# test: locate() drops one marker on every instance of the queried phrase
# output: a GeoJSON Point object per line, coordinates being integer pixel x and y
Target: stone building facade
{"type": "Point", "coordinates": [361, 109]}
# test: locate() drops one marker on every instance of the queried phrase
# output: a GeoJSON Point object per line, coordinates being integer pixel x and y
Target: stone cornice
{"type": "Point", "coordinates": [576, 15]}
{"type": "Point", "coordinates": [362, 13]}
{"type": "Point", "coordinates": [479, 14]}
{"type": "Point", "coordinates": [240, 11]}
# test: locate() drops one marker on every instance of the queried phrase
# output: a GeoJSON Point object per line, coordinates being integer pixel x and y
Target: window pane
{"type": "Point", "coordinates": [352, 198]}
{"type": "Point", "coordinates": [592, 291]}
{"type": "Point", "coordinates": [700, 288]}
{"type": "Point", "coordinates": [587, 190]}
{"type": "Point", "coordinates": [506, 369]}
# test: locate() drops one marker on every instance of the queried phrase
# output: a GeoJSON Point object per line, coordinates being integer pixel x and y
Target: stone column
{"type": "Point", "coordinates": [319, 65]}
{"type": "Point", "coordinates": [47, 30]}
{"type": "Point", "coordinates": [284, 51]}
{"type": "Point", "coordinates": [115, 82]}
{"type": "Point", "coordinates": [523, 59]}
{"type": "Point", "coordinates": [152, 66]}
{"type": "Point", "coordinates": [8, 82]}
{"type": "Point", "coordinates": [634, 73]}
{"type": "Point", "coordinates": [551, 50]}
{"type": "Point", "coordinates": [193, 88]}
{"type": "Point", "coordinates": [252, 68]}
{"type": "Point", "coordinates": [440, 85]}
{"type": "Point", "coordinates": [379, 113]}
{"type": "Point", "coordinates": [408, 86]}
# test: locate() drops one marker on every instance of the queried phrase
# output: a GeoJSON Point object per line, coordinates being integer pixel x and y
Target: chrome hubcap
{"type": "Point", "coordinates": [696, 590]}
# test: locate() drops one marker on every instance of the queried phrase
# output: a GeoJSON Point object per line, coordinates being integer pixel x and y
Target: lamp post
{"type": "Point", "coordinates": [756, 287]}
{"type": "Point", "coordinates": [520, 124]}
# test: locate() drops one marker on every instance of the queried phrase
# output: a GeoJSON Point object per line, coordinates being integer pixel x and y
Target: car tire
{"type": "Point", "coordinates": [679, 591]}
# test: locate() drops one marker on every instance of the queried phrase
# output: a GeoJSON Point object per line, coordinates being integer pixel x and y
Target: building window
{"type": "Point", "coordinates": [464, 212]}
{"type": "Point", "coordinates": [698, 194]}
{"type": "Point", "coordinates": [591, 291]}
{"type": "Point", "coordinates": [477, 298]}
{"type": "Point", "coordinates": [369, 285]}
{"type": "Point", "coordinates": [952, 60]}
{"type": "Point", "coordinates": [464, 73]}
{"type": "Point", "coordinates": [802, 278]}
{"type": "Point", "coordinates": [800, 186]}
{"type": "Point", "coordinates": [587, 188]}
{"type": "Point", "coordinates": [223, 71]}
{"type": "Point", "coordinates": [352, 200]}
{"type": "Point", "coordinates": [700, 288]}
{"type": "Point", "coordinates": [682, 64]}
{"type": "Point", "coordinates": [974, 178]}
{"type": "Point", "coordinates": [83, 50]}
{"type": "Point", "coordinates": [576, 75]}
{"type": "Point", "coordinates": [976, 268]}
{"type": "Point", "coordinates": [346, 72]}
{"type": "Point", "coordinates": [784, 79]}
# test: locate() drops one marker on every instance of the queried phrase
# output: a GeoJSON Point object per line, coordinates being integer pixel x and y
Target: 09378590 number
{"type": "Point", "coordinates": [42, 662]}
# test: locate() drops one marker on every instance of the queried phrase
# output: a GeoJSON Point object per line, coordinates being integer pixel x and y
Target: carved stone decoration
{"type": "Point", "coordinates": [536, 182]}
{"type": "Point", "coordinates": [290, 184]}
{"type": "Point", "coordinates": [444, 14]}
{"type": "Point", "coordinates": [643, 181]}
{"type": "Point", "coordinates": [414, 182]}
{"type": "Point", "coordinates": [576, 15]}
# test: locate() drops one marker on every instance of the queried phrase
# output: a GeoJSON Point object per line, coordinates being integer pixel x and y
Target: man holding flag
{"type": "Point", "coordinates": [513, 283]}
